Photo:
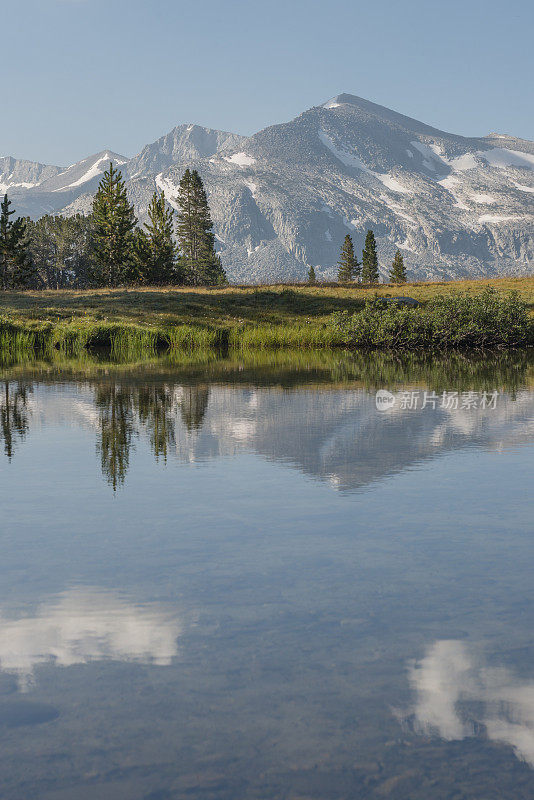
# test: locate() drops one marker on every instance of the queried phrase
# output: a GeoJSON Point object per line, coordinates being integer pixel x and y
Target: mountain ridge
{"type": "Point", "coordinates": [284, 198]}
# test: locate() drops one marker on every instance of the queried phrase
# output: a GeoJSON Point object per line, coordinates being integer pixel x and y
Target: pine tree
{"type": "Point", "coordinates": [113, 260]}
{"type": "Point", "coordinates": [349, 266]}
{"type": "Point", "coordinates": [199, 261]}
{"type": "Point", "coordinates": [398, 270]}
{"type": "Point", "coordinates": [16, 268]}
{"type": "Point", "coordinates": [370, 272]}
{"type": "Point", "coordinates": [154, 248]}
{"type": "Point", "coordinates": [60, 250]}
{"type": "Point", "coordinates": [312, 278]}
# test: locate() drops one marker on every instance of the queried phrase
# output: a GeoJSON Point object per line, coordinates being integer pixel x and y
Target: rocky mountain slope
{"type": "Point", "coordinates": [283, 199]}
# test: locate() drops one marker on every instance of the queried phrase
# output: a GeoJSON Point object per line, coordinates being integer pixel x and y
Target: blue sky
{"type": "Point", "coordinates": [85, 75]}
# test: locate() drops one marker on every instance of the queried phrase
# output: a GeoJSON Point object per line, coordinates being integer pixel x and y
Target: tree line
{"type": "Point", "coordinates": [366, 270]}
{"type": "Point", "coordinates": [108, 248]}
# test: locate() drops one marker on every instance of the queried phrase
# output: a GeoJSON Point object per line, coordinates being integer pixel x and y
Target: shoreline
{"type": "Point", "coordinates": [152, 319]}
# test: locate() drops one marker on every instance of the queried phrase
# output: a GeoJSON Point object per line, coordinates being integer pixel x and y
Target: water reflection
{"type": "Point", "coordinates": [322, 421]}
{"type": "Point", "coordinates": [82, 625]}
{"type": "Point", "coordinates": [458, 694]}
{"type": "Point", "coordinates": [193, 402]}
{"type": "Point", "coordinates": [14, 420]}
{"type": "Point", "coordinates": [155, 405]}
{"type": "Point", "coordinates": [115, 431]}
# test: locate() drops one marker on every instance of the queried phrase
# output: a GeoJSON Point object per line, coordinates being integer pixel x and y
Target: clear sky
{"type": "Point", "coordinates": [85, 75]}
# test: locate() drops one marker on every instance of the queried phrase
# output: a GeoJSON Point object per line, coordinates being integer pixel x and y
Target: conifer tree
{"type": "Point", "coordinates": [16, 268]}
{"type": "Point", "coordinates": [312, 278]}
{"type": "Point", "coordinates": [154, 248]}
{"type": "Point", "coordinates": [397, 273]}
{"type": "Point", "coordinates": [199, 261]}
{"type": "Point", "coordinates": [60, 250]}
{"type": "Point", "coordinates": [370, 272]}
{"type": "Point", "coordinates": [348, 264]}
{"type": "Point", "coordinates": [113, 260]}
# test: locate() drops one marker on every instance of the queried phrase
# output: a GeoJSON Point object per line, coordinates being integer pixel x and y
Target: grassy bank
{"type": "Point", "coordinates": [130, 320]}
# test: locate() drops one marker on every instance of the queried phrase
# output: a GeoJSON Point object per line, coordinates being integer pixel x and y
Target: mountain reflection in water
{"type": "Point", "coordinates": [320, 418]}
{"type": "Point", "coordinates": [271, 551]}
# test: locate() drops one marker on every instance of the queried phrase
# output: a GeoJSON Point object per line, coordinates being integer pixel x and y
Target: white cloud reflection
{"type": "Point", "coordinates": [458, 695]}
{"type": "Point", "coordinates": [83, 625]}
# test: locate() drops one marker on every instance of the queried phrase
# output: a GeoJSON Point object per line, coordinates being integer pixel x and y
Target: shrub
{"type": "Point", "coordinates": [466, 321]}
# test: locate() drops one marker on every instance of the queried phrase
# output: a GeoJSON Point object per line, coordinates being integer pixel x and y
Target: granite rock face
{"type": "Point", "coordinates": [284, 198]}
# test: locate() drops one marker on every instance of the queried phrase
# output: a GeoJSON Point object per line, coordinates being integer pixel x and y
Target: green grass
{"type": "Point", "coordinates": [278, 316]}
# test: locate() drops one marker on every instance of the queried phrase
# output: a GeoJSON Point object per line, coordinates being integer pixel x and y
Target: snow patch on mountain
{"type": "Point", "coordinates": [4, 187]}
{"type": "Point", "coordinates": [392, 183]}
{"type": "Point", "coordinates": [451, 183]}
{"type": "Point", "coordinates": [241, 159]}
{"type": "Point", "coordinates": [429, 155]}
{"type": "Point", "coordinates": [484, 199]}
{"type": "Point", "coordinates": [501, 157]}
{"type": "Point", "coordinates": [347, 158]}
{"type": "Point", "coordinates": [94, 171]}
{"type": "Point", "coordinates": [169, 188]}
{"type": "Point", "coordinates": [498, 218]}
{"type": "Point", "coordinates": [252, 187]}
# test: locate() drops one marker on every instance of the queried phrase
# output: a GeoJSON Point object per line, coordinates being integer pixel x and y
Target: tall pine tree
{"type": "Point", "coordinates": [370, 272]}
{"type": "Point", "coordinates": [155, 248]}
{"type": "Point", "coordinates": [16, 268]}
{"type": "Point", "coordinates": [312, 277]}
{"type": "Point", "coordinates": [397, 273]}
{"type": "Point", "coordinates": [113, 261]}
{"type": "Point", "coordinates": [199, 261]}
{"type": "Point", "coordinates": [348, 264]}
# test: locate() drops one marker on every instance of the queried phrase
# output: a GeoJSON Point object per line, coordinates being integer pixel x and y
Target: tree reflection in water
{"type": "Point", "coordinates": [166, 403]}
{"type": "Point", "coordinates": [193, 405]}
{"type": "Point", "coordinates": [155, 407]}
{"type": "Point", "coordinates": [126, 410]}
{"type": "Point", "coordinates": [116, 430]}
{"type": "Point", "coordinates": [14, 414]}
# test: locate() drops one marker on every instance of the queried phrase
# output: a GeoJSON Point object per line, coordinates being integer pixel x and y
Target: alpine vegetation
{"type": "Point", "coordinates": [155, 249]}
{"type": "Point", "coordinates": [348, 265]}
{"type": "Point", "coordinates": [112, 257]}
{"type": "Point", "coordinates": [397, 273]}
{"type": "Point", "coordinates": [16, 269]}
{"type": "Point", "coordinates": [196, 239]}
{"type": "Point", "coordinates": [370, 272]}
{"type": "Point", "coordinates": [59, 248]}
{"type": "Point", "coordinates": [460, 320]}
{"type": "Point", "coordinates": [107, 248]}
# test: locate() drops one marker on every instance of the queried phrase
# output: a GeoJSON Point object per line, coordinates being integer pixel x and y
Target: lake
{"type": "Point", "coordinates": [232, 578]}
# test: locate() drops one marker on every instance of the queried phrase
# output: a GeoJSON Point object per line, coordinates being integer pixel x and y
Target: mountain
{"type": "Point", "coordinates": [284, 198]}
{"type": "Point", "coordinates": [16, 174]}
{"type": "Point", "coordinates": [56, 187]}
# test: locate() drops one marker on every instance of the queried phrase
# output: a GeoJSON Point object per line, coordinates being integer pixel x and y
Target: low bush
{"type": "Point", "coordinates": [485, 320]}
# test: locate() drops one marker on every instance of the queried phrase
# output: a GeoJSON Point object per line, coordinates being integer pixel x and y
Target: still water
{"type": "Point", "coordinates": [240, 579]}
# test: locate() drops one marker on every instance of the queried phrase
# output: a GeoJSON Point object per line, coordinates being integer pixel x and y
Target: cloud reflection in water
{"type": "Point", "coordinates": [458, 695]}
{"type": "Point", "coordinates": [83, 625]}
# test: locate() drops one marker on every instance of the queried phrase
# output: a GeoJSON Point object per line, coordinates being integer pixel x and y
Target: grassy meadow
{"type": "Point", "coordinates": [184, 317]}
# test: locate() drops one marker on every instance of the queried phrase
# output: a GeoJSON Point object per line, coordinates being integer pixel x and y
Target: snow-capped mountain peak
{"type": "Point", "coordinates": [284, 198]}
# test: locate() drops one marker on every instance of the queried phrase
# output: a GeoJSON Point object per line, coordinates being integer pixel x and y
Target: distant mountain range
{"type": "Point", "coordinates": [284, 198]}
